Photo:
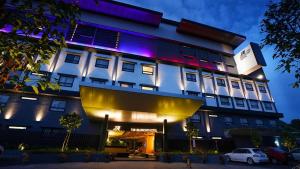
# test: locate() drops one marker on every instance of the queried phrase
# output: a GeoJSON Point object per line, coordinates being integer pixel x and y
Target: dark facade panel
{"type": "Point", "coordinates": [208, 32]}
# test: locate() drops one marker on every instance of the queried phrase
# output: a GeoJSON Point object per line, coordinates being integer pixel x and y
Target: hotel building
{"type": "Point", "coordinates": [133, 75]}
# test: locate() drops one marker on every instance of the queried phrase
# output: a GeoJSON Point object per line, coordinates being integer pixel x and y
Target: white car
{"type": "Point", "coordinates": [248, 155]}
{"type": "Point", "coordinates": [295, 154]}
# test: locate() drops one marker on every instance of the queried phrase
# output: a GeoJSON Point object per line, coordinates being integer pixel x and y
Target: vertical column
{"type": "Point", "coordinates": [156, 75]}
{"type": "Point", "coordinates": [115, 70]}
{"type": "Point", "coordinates": [54, 62]}
{"type": "Point", "coordinates": [215, 88]}
{"type": "Point", "coordinates": [258, 96]}
{"type": "Point", "coordinates": [229, 90]}
{"type": "Point", "coordinates": [165, 136]}
{"type": "Point", "coordinates": [86, 67]}
{"type": "Point", "coordinates": [244, 93]}
{"type": "Point", "coordinates": [182, 80]}
{"type": "Point", "coordinates": [104, 134]}
{"type": "Point", "coordinates": [201, 81]}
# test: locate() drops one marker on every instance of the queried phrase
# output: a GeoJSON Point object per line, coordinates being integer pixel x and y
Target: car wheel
{"type": "Point", "coordinates": [250, 161]}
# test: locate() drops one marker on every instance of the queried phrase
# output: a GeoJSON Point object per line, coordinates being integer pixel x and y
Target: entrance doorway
{"type": "Point", "coordinates": [131, 144]}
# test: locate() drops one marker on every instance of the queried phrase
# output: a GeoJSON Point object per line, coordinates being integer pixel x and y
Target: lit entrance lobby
{"type": "Point", "coordinates": [134, 122]}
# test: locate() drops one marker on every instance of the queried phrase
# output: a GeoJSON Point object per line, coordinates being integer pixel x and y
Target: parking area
{"type": "Point", "coordinates": [144, 165]}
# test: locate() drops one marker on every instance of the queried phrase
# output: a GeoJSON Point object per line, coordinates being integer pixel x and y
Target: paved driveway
{"type": "Point", "coordinates": [142, 165]}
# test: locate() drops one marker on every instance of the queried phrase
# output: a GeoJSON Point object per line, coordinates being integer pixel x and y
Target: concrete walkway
{"type": "Point", "coordinates": [141, 165]}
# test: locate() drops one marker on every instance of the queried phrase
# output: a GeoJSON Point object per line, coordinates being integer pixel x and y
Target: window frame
{"type": "Point", "coordinates": [102, 65]}
{"type": "Point", "coordinates": [191, 77]}
{"type": "Point", "coordinates": [251, 105]}
{"type": "Point", "coordinates": [244, 123]}
{"type": "Point", "coordinates": [259, 124]}
{"type": "Point", "coordinates": [267, 107]}
{"type": "Point", "coordinates": [66, 76]}
{"type": "Point", "coordinates": [192, 93]}
{"type": "Point", "coordinates": [73, 60]}
{"type": "Point", "coordinates": [58, 109]}
{"type": "Point", "coordinates": [221, 82]}
{"type": "Point", "coordinates": [240, 99]}
{"type": "Point", "coordinates": [127, 69]}
{"type": "Point", "coordinates": [154, 88]}
{"type": "Point", "coordinates": [248, 88]}
{"type": "Point", "coordinates": [101, 81]}
{"type": "Point", "coordinates": [262, 89]}
{"type": "Point", "coordinates": [228, 122]}
{"type": "Point", "coordinates": [224, 97]}
{"type": "Point", "coordinates": [148, 72]}
{"type": "Point", "coordinates": [235, 86]}
{"type": "Point", "coordinates": [130, 85]}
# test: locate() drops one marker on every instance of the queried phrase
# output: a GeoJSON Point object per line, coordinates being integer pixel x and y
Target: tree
{"type": "Point", "coordinates": [296, 123]}
{"type": "Point", "coordinates": [256, 139]}
{"type": "Point", "coordinates": [281, 27]}
{"type": "Point", "coordinates": [191, 132]}
{"type": "Point", "coordinates": [32, 31]}
{"type": "Point", "coordinates": [288, 141]}
{"type": "Point", "coordinates": [70, 122]}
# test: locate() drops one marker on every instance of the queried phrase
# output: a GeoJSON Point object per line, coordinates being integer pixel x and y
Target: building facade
{"type": "Point", "coordinates": [131, 74]}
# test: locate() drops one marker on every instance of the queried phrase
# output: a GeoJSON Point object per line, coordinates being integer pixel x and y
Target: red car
{"type": "Point", "coordinates": [277, 155]}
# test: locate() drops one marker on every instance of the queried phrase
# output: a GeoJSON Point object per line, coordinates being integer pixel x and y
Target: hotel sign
{"type": "Point", "coordinates": [249, 59]}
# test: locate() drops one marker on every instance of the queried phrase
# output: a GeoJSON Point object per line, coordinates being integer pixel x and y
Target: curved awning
{"type": "Point", "coordinates": [133, 105]}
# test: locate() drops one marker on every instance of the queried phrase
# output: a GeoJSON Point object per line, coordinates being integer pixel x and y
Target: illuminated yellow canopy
{"type": "Point", "coordinates": [129, 106]}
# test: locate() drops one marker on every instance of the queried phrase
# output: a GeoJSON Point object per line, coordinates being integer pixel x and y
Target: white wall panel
{"type": "Point", "coordinates": [169, 79]}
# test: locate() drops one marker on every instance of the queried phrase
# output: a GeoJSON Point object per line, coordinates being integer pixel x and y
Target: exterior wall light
{"type": "Point", "coordinates": [17, 127]}
{"type": "Point", "coordinates": [28, 98]}
{"type": "Point", "coordinates": [260, 76]}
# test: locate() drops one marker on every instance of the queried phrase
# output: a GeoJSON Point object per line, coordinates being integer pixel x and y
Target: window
{"type": "Point", "coordinates": [254, 104]}
{"type": "Point", "coordinates": [127, 85]}
{"type": "Point", "coordinates": [221, 82]}
{"type": "Point", "coordinates": [191, 77]}
{"type": "Point", "coordinates": [66, 81]}
{"type": "Point", "coordinates": [72, 58]}
{"type": "Point", "coordinates": [3, 100]}
{"type": "Point", "coordinates": [249, 86]}
{"type": "Point", "coordinates": [262, 89]}
{"type": "Point", "coordinates": [191, 93]}
{"type": "Point", "coordinates": [58, 105]}
{"type": "Point", "coordinates": [244, 121]}
{"type": "Point", "coordinates": [259, 122]}
{"type": "Point", "coordinates": [128, 67]}
{"type": "Point", "coordinates": [224, 101]}
{"type": "Point", "coordinates": [235, 84]}
{"type": "Point", "coordinates": [148, 70]}
{"type": "Point", "coordinates": [98, 81]}
{"type": "Point", "coordinates": [151, 88]}
{"type": "Point", "coordinates": [228, 120]}
{"type": "Point", "coordinates": [272, 122]}
{"type": "Point", "coordinates": [238, 151]}
{"type": "Point", "coordinates": [268, 105]}
{"type": "Point", "coordinates": [102, 63]}
{"type": "Point", "coordinates": [195, 118]}
{"type": "Point", "coordinates": [239, 102]}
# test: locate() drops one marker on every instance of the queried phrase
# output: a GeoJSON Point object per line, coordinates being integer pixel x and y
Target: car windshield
{"type": "Point", "coordinates": [256, 150]}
